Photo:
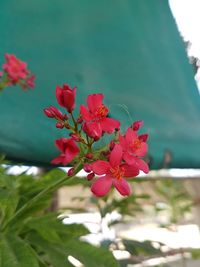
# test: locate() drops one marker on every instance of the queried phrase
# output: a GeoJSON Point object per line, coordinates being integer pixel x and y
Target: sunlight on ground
{"type": "Point", "coordinates": [185, 236]}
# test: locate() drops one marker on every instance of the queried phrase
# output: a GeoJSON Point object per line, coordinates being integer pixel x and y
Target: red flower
{"type": "Point", "coordinates": [66, 97]}
{"type": "Point", "coordinates": [17, 72]}
{"type": "Point", "coordinates": [112, 173]}
{"type": "Point", "coordinates": [134, 147]}
{"type": "Point", "coordinates": [15, 68]}
{"type": "Point", "coordinates": [95, 117]}
{"type": "Point", "coordinates": [69, 150]}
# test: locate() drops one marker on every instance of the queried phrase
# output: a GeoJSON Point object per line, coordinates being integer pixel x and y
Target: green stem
{"type": "Point", "coordinates": [74, 121]}
{"type": "Point", "coordinates": [40, 195]}
{"type": "Point", "coordinates": [3, 82]}
{"type": "Point", "coordinates": [2, 86]}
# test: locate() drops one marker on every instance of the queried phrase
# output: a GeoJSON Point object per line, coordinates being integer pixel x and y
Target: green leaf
{"type": "Point", "coordinates": [141, 248]}
{"type": "Point", "coordinates": [90, 255]}
{"type": "Point", "coordinates": [125, 206]}
{"type": "Point", "coordinates": [53, 229]}
{"type": "Point", "coordinates": [14, 252]}
{"type": "Point", "coordinates": [8, 204]}
{"type": "Point", "coordinates": [56, 254]}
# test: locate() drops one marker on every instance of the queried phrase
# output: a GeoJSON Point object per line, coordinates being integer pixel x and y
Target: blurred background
{"type": "Point", "coordinates": [144, 56]}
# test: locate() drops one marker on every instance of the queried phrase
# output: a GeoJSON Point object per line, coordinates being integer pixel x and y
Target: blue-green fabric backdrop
{"type": "Point", "coordinates": [130, 50]}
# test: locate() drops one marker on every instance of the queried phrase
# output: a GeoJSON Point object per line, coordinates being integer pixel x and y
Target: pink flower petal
{"type": "Point", "coordinates": [85, 113]}
{"type": "Point", "coordinates": [60, 144]}
{"type": "Point", "coordinates": [69, 151]}
{"type": "Point", "coordinates": [130, 135]}
{"type": "Point", "coordinates": [130, 171]}
{"type": "Point", "coordinates": [116, 156]}
{"type": "Point", "coordinates": [123, 142]}
{"type": "Point", "coordinates": [109, 125]}
{"type": "Point", "coordinates": [69, 99]}
{"type": "Point", "coordinates": [57, 160]}
{"type": "Point", "coordinates": [67, 158]}
{"type": "Point", "coordinates": [143, 166]}
{"type": "Point", "coordinates": [141, 152]}
{"type": "Point", "coordinates": [101, 186]}
{"type": "Point", "coordinates": [122, 186]}
{"type": "Point", "coordinates": [129, 158]}
{"type": "Point", "coordinates": [59, 95]}
{"type": "Point", "coordinates": [100, 167]}
{"type": "Point", "coordinates": [94, 101]}
{"type": "Point", "coordinates": [71, 147]}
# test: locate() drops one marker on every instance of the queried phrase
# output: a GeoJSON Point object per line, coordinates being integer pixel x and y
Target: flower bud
{"type": "Point", "coordinates": [90, 176]}
{"type": "Point", "coordinates": [65, 117]}
{"type": "Point", "coordinates": [53, 112]}
{"type": "Point", "coordinates": [75, 137]}
{"type": "Point", "coordinates": [89, 155]}
{"type": "Point", "coordinates": [57, 113]}
{"type": "Point", "coordinates": [67, 126]}
{"type": "Point", "coordinates": [80, 120]}
{"type": "Point", "coordinates": [87, 167]}
{"type": "Point", "coordinates": [59, 125]}
{"type": "Point", "coordinates": [143, 137]}
{"type": "Point", "coordinates": [92, 132]}
{"type": "Point", "coordinates": [48, 113]}
{"type": "Point", "coordinates": [136, 125]}
{"type": "Point", "coordinates": [70, 172]}
{"type": "Point", "coordinates": [66, 97]}
{"type": "Point", "coordinates": [105, 153]}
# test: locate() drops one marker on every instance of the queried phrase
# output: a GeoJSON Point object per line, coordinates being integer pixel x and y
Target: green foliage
{"type": "Point", "coordinates": [195, 254]}
{"type": "Point", "coordinates": [145, 248]}
{"type": "Point", "coordinates": [90, 255]}
{"type": "Point", "coordinates": [15, 252]}
{"type": "Point", "coordinates": [34, 237]}
{"type": "Point", "coordinates": [176, 198]}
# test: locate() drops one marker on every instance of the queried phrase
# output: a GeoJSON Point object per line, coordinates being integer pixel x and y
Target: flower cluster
{"type": "Point", "coordinates": [112, 165]}
{"type": "Point", "coordinates": [15, 72]}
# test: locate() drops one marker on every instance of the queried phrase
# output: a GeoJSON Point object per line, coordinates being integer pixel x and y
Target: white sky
{"type": "Point", "coordinates": [187, 16]}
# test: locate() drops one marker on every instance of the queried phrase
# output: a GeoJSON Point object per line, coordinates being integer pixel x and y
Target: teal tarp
{"type": "Point", "coordinates": [129, 50]}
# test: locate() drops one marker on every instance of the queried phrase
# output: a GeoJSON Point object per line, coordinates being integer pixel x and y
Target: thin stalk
{"type": "Point", "coordinates": [74, 121]}
{"type": "Point", "coordinates": [40, 195]}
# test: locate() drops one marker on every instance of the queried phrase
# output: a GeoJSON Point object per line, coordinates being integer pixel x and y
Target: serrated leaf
{"type": "Point", "coordinates": [14, 252]}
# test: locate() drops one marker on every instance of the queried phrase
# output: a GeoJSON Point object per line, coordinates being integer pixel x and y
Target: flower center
{"type": "Point", "coordinates": [136, 144]}
{"type": "Point", "coordinates": [101, 111]}
{"type": "Point", "coordinates": [117, 172]}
